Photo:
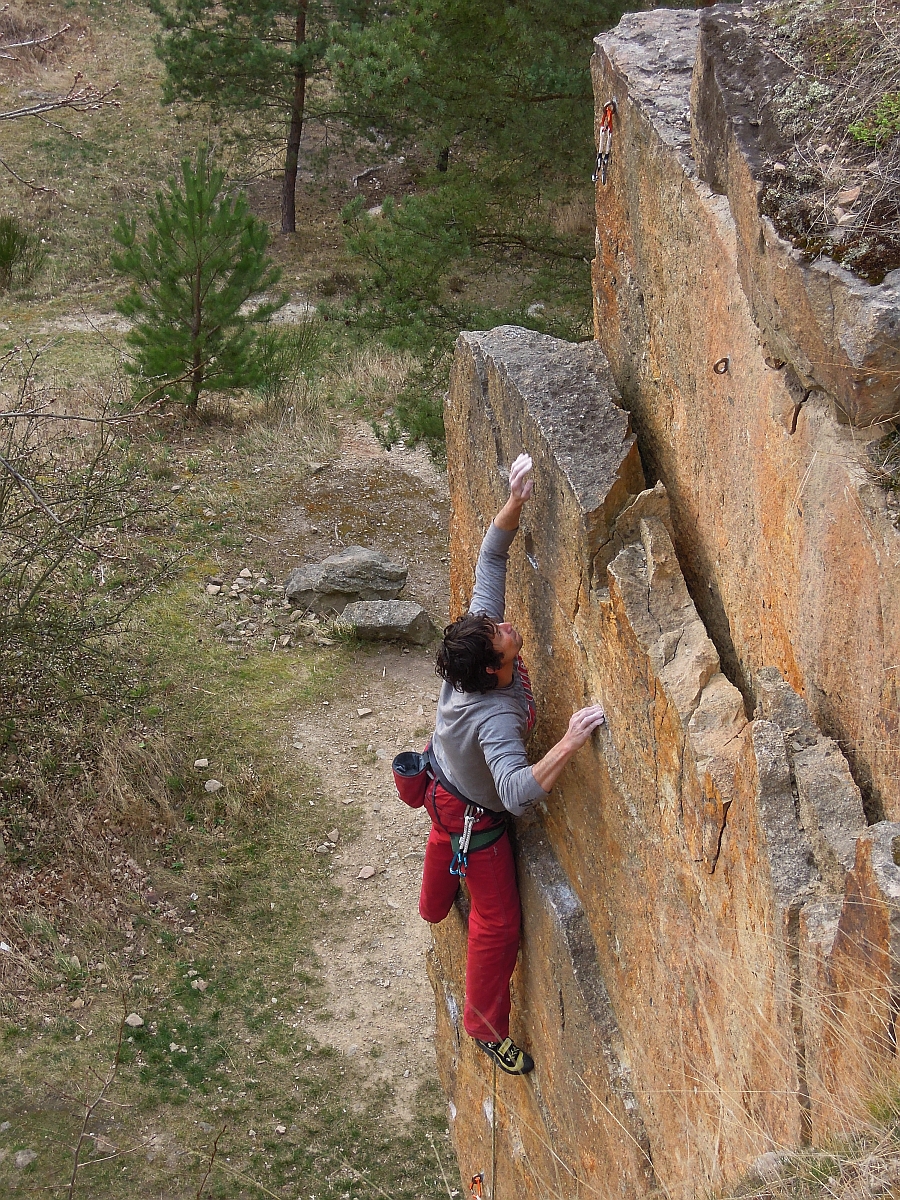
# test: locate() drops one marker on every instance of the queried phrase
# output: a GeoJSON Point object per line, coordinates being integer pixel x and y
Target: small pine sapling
{"type": "Point", "coordinates": [202, 257]}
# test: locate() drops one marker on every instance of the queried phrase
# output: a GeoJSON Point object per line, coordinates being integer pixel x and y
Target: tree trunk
{"type": "Point", "coordinates": [295, 132]}
{"type": "Point", "coordinates": [196, 354]}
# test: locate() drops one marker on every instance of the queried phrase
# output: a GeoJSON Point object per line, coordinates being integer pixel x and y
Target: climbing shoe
{"type": "Point", "coordinates": [508, 1056]}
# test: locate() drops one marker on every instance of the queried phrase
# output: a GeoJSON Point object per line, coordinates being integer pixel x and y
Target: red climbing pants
{"type": "Point", "coordinates": [494, 919]}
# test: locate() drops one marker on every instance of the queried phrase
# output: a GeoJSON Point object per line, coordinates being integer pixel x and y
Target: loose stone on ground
{"type": "Point", "coordinates": [385, 620]}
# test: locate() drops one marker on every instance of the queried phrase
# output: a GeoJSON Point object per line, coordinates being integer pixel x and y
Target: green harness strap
{"type": "Point", "coordinates": [478, 841]}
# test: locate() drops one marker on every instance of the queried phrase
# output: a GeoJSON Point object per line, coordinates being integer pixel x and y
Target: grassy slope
{"type": "Point", "coordinates": [219, 1064]}
{"type": "Point", "coordinates": [261, 897]}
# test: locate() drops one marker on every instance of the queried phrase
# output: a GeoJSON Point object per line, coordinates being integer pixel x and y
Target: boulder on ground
{"type": "Point", "coordinates": [356, 573]}
{"type": "Point", "coordinates": [378, 620]}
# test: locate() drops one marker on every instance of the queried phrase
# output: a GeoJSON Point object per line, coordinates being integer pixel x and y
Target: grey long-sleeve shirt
{"type": "Point", "coordinates": [479, 739]}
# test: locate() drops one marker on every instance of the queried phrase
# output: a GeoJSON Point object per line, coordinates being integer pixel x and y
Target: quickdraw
{"type": "Point", "coordinates": [604, 142]}
{"type": "Point", "coordinates": [476, 1187]}
{"type": "Point", "coordinates": [460, 862]}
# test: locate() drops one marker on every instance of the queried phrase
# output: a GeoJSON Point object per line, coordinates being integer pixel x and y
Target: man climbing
{"type": "Point", "coordinates": [482, 773]}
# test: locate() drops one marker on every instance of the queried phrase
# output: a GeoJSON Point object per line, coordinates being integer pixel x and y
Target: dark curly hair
{"type": "Point", "coordinates": [467, 651]}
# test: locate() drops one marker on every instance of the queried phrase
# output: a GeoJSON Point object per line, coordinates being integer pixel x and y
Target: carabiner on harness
{"type": "Point", "coordinates": [604, 142]}
{"type": "Point", "coordinates": [460, 862]}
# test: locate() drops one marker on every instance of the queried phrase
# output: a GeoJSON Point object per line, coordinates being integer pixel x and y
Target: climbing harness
{"type": "Point", "coordinates": [604, 142]}
{"type": "Point", "coordinates": [460, 862]}
{"type": "Point", "coordinates": [468, 841]}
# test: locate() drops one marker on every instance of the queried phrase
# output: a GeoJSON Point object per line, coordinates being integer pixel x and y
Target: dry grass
{"type": "Point", "coordinates": [575, 217]}
{"type": "Point", "coordinates": [33, 42]}
{"type": "Point", "coordinates": [884, 461]}
{"type": "Point", "coordinates": [856, 1167]}
{"type": "Point", "coordinates": [371, 374]}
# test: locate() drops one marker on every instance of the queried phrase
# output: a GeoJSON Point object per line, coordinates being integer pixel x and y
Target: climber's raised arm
{"type": "Point", "coordinates": [520, 489]}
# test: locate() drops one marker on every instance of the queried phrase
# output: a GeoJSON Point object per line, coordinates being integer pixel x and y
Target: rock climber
{"type": "Point", "coordinates": [482, 773]}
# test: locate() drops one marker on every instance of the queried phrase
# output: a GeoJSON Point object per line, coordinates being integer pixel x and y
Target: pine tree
{"type": "Point", "coordinates": [202, 257]}
{"type": "Point", "coordinates": [252, 58]}
{"type": "Point", "coordinates": [496, 94]}
{"type": "Point", "coordinates": [502, 82]}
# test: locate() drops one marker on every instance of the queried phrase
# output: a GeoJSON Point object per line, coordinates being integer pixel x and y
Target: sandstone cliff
{"type": "Point", "coordinates": [709, 967]}
{"type": "Point", "coordinates": [790, 553]}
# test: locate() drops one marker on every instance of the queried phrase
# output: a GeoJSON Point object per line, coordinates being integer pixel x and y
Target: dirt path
{"type": "Point", "coordinates": [380, 1003]}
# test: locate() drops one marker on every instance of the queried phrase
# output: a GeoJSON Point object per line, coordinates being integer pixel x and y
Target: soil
{"type": "Point", "coordinates": [373, 965]}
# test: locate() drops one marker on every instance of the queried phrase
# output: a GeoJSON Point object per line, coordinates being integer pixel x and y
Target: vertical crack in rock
{"type": "Point", "coordinates": [792, 946]}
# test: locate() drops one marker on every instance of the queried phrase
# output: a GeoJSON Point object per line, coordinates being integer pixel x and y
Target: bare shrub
{"type": "Point", "coordinates": [75, 511]}
{"type": "Point", "coordinates": [72, 508]}
{"type": "Point", "coordinates": [27, 42]}
{"type": "Point", "coordinates": [836, 189]}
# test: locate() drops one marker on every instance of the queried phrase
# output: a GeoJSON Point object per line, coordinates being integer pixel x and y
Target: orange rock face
{"type": "Point", "coordinates": [713, 335]}
{"type": "Point", "coordinates": [707, 923]}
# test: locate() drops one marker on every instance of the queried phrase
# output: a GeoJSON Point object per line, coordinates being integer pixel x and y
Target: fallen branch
{"type": "Point", "coordinates": [35, 187]}
{"type": "Point", "coordinates": [209, 1165]}
{"type": "Point", "coordinates": [86, 98]}
{"type": "Point", "coordinates": [38, 41]}
{"type": "Point", "coordinates": [89, 1109]}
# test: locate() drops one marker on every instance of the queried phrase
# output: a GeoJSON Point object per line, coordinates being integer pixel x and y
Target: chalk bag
{"type": "Point", "coordinates": [412, 776]}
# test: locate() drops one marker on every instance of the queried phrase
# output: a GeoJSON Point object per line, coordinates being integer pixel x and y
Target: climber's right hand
{"type": "Point", "coordinates": [520, 487]}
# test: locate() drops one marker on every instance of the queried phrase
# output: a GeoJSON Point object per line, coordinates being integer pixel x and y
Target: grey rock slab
{"type": "Point", "coordinates": [793, 872]}
{"type": "Point", "coordinates": [655, 52]}
{"type": "Point", "coordinates": [829, 801]}
{"type": "Point", "coordinates": [769, 1166]}
{"type": "Point", "coordinates": [379, 620]}
{"type": "Point", "coordinates": [777, 701]}
{"type": "Point", "coordinates": [24, 1157]}
{"type": "Point", "coordinates": [570, 394]}
{"type": "Point", "coordinates": [357, 573]}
